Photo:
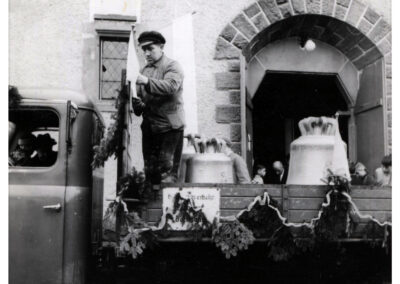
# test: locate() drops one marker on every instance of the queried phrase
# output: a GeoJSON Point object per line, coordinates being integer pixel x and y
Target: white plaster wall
{"type": "Point", "coordinates": [45, 43]}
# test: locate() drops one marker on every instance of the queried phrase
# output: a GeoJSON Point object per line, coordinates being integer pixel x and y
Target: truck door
{"type": "Point", "coordinates": [36, 194]}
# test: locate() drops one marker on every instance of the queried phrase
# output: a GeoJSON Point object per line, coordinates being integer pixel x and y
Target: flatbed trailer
{"type": "Point", "coordinates": [297, 203]}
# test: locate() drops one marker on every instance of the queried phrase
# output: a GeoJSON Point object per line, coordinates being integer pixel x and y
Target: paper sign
{"type": "Point", "coordinates": [206, 199]}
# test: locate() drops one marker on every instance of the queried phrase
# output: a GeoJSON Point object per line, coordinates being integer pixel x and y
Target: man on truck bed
{"type": "Point", "coordinates": [160, 102]}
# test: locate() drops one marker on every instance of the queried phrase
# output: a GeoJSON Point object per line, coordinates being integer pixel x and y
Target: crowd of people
{"type": "Point", "coordinates": [32, 151]}
{"type": "Point", "coordinates": [382, 175]}
{"type": "Point", "coordinates": [359, 173]}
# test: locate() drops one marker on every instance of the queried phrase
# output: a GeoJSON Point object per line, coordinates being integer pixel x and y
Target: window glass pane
{"type": "Point", "coordinates": [112, 69]}
{"type": "Point", "coordinates": [115, 49]}
{"type": "Point", "coordinates": [34, 141]}
{"type": "Point", "coordinates": [114, 53]}
{"type": "Point", "coordinates": [109, 90]}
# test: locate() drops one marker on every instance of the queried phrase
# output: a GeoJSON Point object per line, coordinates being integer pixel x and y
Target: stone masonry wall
{"type": "Point", "coordinates": [356, 29]}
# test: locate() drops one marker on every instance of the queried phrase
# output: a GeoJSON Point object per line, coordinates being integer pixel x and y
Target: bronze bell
{"type": "Point", "coordinates": [312, 154]}
{"type": "Point", "coordinates": [209, 165]}
{"type": "Point", "coordinates": [210, 168]}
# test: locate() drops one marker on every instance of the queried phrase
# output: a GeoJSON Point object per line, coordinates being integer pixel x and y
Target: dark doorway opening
{"type": "Point", "coordinates": [282, 100]}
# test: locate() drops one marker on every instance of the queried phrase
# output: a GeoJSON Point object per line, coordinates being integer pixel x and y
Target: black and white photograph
{"type": "Point", "coordinates": [199, 142]}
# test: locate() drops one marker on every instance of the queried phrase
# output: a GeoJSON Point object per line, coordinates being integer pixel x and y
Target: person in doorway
{"type": "Point", "coordinates": [45, 156]}
{"type": "Point", "coordinates": [160, 102]}
{"type": "Point", "coordinates": [361, 176]}
{"type": "Point", "coordinates": [240, 171]}
{"type": "Point", "coordinates": [280, 173]}
{"type": "Point", "coordinates": [261, 171]}
{"type": "Point", "coordinates": [383, 174]}
{"type": "Point", "coordinates": [22, 156]}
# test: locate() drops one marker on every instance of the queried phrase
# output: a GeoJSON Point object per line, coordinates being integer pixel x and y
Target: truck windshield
{"type": "Point", "coordinates": [33, 137]}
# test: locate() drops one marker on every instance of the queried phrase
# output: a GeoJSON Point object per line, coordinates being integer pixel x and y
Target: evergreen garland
{"type": "Point", "coordinates": [110, 143]}
{"type": "Point", "coordinates": [232, 237]}
{"type": "Point", "coordinates": [135, 236]}
{"type": "Point", "coordinates": [132, 185]}
{"type": "Point", "coordinates": [233, 234]}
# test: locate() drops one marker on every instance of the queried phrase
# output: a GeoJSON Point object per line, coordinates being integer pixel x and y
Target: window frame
{"type": "Point", "coordinates": [108, 35]}
{"type": "Point", "coordinates": [30, 168]}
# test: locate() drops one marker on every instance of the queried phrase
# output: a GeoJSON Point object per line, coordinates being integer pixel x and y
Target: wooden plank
{"type": "Point", "coordinates": [230, 212]}
{"type": "Point", "coordinates": [371, 192]}
{"type": "Point", "coordinates": [373, 204]}
{"type": "Point", "coordinates": [307, 190]}
{"type": "Point", "coordinates": [362, 204]}
{"type": "Point", "coordinates": [251, 190]}
{"type": "Point", "coordinates": [305, 203]}
{"type": "Point", "coordinates": [295, 192]}
{"type": "Point", "coordinates": [379, 215]}
{"type": "Point", "coordinates": [239, 202]}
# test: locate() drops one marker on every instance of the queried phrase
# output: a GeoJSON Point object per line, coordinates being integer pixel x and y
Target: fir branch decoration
{"type": "Point", "coordinates": [132, 185]}
{"type": "Point", "coordinates": [261, 219]}
{"type": "Point", "coordinates": [281, 244]}
{"type": "Point", "coordinates": [110, 143]}
{"type": "Point", "coordinates": [138, 237]}
{"type": "Point", "coordinates": [232, 237]}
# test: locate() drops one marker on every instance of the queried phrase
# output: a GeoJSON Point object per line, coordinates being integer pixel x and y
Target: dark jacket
{"type": "Point", "coordinates": [162, 96]}
{"type": "Point", "coordinates": [365, 180]}
{"type": "Point", "coordinates": [275, 179]}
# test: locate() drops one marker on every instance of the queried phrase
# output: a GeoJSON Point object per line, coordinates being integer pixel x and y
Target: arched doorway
{"type": "Point", "coordinates": [346, 72]}
{"type": "Point", "coordinates": [282, 100]}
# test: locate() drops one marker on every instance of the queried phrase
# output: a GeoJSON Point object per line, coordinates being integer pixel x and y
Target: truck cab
{"type": "Point", "coordinates": [55, 208]}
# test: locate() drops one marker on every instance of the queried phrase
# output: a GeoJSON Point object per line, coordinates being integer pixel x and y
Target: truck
{"type": "Point", "coordinates": [56, 212]}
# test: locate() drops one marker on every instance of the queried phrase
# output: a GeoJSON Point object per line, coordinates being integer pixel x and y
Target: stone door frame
{"type": "Point", "coordinates": [352, 27]}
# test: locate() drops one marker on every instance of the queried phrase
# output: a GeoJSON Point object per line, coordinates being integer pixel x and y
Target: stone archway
{"type": "Point", "coordinates": [351, 27]}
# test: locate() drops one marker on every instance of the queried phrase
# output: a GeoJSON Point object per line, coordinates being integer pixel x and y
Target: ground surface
{"type": "Point", "coordinates": [203, 263]}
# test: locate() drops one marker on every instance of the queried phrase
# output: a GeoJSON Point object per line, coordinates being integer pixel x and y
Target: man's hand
{"type": "Point", "coordinates": [142, 80]}
{"type": "Point", "coordinates": [138, 106]}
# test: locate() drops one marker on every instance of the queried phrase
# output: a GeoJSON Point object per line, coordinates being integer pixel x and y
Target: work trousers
{"type": "Point", "coordinates": [162, 154]}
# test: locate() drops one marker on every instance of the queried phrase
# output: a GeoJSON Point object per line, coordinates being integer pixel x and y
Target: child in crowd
{"type": "Point", "coordinates": [383, 174]}
{"type": "Point", "coordinates": [261, 171]}
{"type": "Point", "coordinates": [361, 176]}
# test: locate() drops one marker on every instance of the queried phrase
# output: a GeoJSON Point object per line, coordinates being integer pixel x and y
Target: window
{"type": "Point", "coordinates": [33, 138]}
{"type": "Point", "coordinates": [113, 58]}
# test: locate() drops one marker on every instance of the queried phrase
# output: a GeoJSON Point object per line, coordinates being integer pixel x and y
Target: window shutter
{"type": "Point", "coordinates": [369, 117]}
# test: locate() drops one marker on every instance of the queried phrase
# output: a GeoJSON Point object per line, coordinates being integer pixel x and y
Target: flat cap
{"type": "Point", "coordinates": [150, 37]}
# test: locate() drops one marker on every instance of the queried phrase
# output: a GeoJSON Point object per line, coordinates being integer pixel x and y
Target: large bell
{"type": "Point", "coordinates": [209, 168]}
{"type": "Point", "coordinates": [209, 165]}
{"type": "Point", "coordinates": [312, 154]}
